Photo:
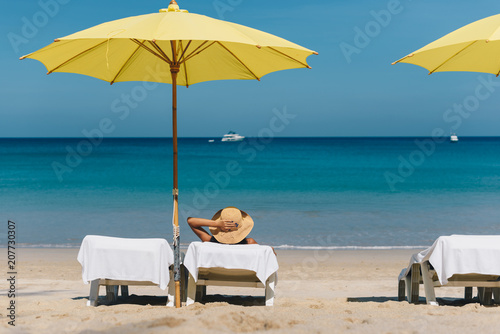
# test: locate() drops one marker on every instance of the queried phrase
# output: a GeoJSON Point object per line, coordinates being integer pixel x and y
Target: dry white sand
{"type": "Point", "coordinates": [317, 292]}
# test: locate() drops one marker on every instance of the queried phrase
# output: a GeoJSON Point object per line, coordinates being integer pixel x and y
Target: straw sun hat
{"type": "Point", "coordinates": [244, 224]}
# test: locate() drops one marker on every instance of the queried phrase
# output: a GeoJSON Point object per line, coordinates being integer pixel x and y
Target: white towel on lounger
{"type": "Point", "coordinates": [125, 259]}
{"type": "Point", "coordinates": [258, 258]}
{"type": "Point", "coordinates": [461, 254]}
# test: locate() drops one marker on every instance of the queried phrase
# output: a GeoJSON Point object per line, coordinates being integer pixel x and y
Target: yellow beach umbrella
{"type": "Point", "coordinates": [472, 48]}
{"type": "Point", "coordinates": [176, 47]}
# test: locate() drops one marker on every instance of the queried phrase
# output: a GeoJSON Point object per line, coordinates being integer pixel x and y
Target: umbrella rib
{"type": "Point", "coordinates": [75, 56]}
{"type": "Point", "coordinates": [238, 59]}
{"type": "Point", "coordinates": [184, 51]}
{"type": "Point", "coordinates": [400, 60]}
{"type": "Point", "coordinates": [185, 64]}
{"type": "Point", "coordinates": [444, 62]}
{"type": "Point", "coordinates": [123, 66]}
{"type": "Point", "coordinates": [194, 53]}
{"type": "Point", "coordinates": [141, 44]}
{"type": "Point", "coordinates": [284, 54]}
{"type": "Point", "coordinates": [157, 47]}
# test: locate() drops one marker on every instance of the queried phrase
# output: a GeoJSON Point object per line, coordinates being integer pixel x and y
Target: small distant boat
{"type": "Point", "coordinates": [232, 136]}
{"type": "Point", "coordinates": [211, 140]}
{"type": "Point", "coordinates": [453, 138]}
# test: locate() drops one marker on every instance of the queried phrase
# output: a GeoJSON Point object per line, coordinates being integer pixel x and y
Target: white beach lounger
{"type": "Point", "coordinates": [230, 265]}
{"type": "Point", "coordinates": [454, 261]}
{"type": "Point", "coordinates": [114, 262]}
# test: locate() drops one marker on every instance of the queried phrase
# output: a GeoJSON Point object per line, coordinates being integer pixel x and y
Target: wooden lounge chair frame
{"type": "Point", "coordinates": [113, 285]}
{"type": "Point", "coordinates": [227, 277]}
{"type": "Point", "coordinates": [488, 286]}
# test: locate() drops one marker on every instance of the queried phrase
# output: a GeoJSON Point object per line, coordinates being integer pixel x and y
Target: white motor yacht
{"type": "Point", "coordinates": [232, 136]}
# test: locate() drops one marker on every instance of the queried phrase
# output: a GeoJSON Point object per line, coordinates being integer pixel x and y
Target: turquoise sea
{"type": "Point", "coordinates": [301, 192]}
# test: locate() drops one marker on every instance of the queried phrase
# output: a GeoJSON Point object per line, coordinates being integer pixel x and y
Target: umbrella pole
{"type": "Point", "coordinates": [177, 274]}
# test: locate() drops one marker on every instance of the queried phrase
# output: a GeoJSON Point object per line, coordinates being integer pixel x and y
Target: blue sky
{"type": "Point", "coordinates": [346, 93]}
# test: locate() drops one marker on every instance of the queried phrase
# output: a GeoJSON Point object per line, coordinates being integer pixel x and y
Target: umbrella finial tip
{"type": "Point", "coordinates": [173, 7]}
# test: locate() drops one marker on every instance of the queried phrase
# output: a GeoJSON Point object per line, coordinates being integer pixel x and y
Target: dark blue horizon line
{"type": "Point", "coordinates": [249, 137]}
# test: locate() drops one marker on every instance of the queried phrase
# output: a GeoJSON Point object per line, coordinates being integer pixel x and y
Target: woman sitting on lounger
{"type": "Point", "coordinates": [228, 226]}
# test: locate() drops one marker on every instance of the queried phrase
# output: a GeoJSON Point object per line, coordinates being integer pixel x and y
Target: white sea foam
{"type": "Point", "coordinates": [284, 247]}
{"type": "Point", "coordinates": [25, 245]}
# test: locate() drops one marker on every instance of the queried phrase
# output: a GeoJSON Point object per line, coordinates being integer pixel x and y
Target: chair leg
{"type": "Point", "coordinates": [468, 292]}
{"type": "Point", "coordinates": [184, 283]}
{"type": "Point", "coordinates": [201, 292]}
{"type": "Point", "coordinates": [408, 287]}
{"type": "Point", "coordinates": [124, 290]}
{"type": "Point", "coordinates": [414, 293]}
{"type": "Point", "coordinates": [401, 289]}
{"type": "Point", "coordinates": [488, 294]}
{"type": "Point", "coordinates": [94, 293]}
{"type": "Point", "coordinates": [191, 290]}
{"type": "Point", "coordinates": [430, 296]}
{"type": "Point", "coordinates": [270, 285]}
{"type": "Point", "coordinates": [204, 292]}
{"type": "Point", "coordinates": [111, 293]}
{"type": "Point", "coordinates": [171, 290]}
{"type": "Point", "coordinates": [484, 295]}
{"type": "Point", "coordinates": [496, 294]}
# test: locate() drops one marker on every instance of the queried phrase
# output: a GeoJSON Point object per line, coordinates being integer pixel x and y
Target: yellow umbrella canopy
{"type": "Point", "coordinates": [176, 47]}
{"type": "Point", "coordinates": [204, 48]}
{"type": "Point", "coordinates": [472, 48]}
